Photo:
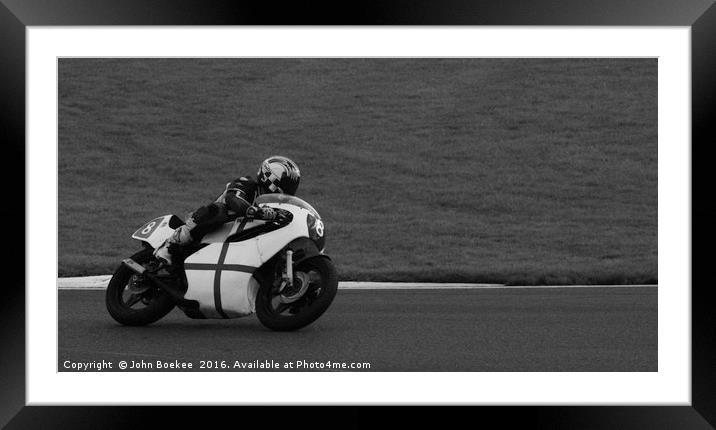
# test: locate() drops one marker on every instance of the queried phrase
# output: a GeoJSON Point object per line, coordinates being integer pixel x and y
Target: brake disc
{"type": "Point", "coordinates": [300, 279]}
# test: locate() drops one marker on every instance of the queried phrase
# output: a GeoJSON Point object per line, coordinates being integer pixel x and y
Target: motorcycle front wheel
{"type": "Point", "coordinates": [276, 310]}
{"type": "Point", "coordinates": [133, 301]}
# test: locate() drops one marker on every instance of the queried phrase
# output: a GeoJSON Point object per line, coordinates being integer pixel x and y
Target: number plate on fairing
{"type": "Point", "coordinates": [156, 231]}
{"type": "Point", "coordinates": [147, 229]}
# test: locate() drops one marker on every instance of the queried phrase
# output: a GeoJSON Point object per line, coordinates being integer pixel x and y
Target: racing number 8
{"type": "Point", "coordinates": [145, 231]}
{"type": "Point", "coordinates": [319, 228]}
{"type": "Point", "coordinates": [149, 227]}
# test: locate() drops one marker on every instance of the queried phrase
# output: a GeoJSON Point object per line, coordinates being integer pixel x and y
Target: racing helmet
{"type": "Point", "coordinates": [278, 174]}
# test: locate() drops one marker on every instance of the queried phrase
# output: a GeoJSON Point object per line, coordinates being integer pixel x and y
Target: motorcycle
{"type": "Point", "coordinates": [274, 268]}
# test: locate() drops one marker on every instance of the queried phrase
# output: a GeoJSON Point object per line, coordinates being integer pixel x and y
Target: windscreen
{"type": "Point", "coordinates": [285, 198]}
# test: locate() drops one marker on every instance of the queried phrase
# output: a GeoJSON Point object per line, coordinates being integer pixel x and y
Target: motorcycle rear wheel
{"type": "Point", "coordinates": [120, 304]}
{"type": "Point", "coordinates": [319, 295]}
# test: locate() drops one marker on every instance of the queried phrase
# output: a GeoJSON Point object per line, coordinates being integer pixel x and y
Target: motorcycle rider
{"type": "Point", "coordinates": [277, 174]}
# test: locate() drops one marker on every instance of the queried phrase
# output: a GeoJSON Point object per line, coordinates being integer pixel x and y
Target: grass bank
{"type": "Point", "coordinates": [487, 170]}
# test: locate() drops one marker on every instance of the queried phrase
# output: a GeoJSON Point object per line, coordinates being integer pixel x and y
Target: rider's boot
{"type": "Point", "coordinates": [180, 237]}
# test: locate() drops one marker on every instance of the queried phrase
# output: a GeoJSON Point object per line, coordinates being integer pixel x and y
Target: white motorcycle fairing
{"type": "Point", "coordinates": [156, 231]}
{"type": "Point", "coordinates": [219, 276]}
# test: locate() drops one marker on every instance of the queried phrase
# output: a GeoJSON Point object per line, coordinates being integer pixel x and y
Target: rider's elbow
{"type": "Point", "coordinates": [237, 204]}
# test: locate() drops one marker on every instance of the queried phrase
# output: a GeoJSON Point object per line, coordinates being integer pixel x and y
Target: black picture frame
{"type": "Point", "coordinates": [16, 15]}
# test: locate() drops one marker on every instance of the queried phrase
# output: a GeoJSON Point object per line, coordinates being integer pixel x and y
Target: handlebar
{"type": "Point", "coordinates": [258, 213]}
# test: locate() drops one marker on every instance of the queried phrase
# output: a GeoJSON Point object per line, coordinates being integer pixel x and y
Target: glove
{"type": "Point", "coordinates": [261, 213]}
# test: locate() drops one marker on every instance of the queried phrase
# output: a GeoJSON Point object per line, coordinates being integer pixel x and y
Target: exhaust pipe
{"type": "Point", "coordinates": [136, 267]}
{"type": "Point", "coordinates": [141, 270]}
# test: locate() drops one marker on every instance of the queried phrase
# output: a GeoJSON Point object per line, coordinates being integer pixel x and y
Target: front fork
{"type": "Point", "coordinates": [292, 289]}
{"type": "Point", "coordinates": [288, 276]}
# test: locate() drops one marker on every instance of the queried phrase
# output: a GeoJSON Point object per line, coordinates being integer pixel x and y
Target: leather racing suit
{"type": "Point", "coordinates": [238, 196]}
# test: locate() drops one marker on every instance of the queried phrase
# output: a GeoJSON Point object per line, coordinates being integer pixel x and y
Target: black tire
{"type": "Point", "coordinates": [160, 303]}
{"type": "Point", "coordinates": [320, 296]}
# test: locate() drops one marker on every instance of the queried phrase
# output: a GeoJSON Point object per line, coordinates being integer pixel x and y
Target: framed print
{"type": "Point", "coordinates": [494, 210]}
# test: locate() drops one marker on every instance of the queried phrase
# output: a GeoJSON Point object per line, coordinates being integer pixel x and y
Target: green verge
{"type": "Point", "coordinates": [520, 171]}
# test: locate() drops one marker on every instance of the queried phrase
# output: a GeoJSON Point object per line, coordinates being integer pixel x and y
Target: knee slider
{"type": "Point", "coordinates": [203, 214]}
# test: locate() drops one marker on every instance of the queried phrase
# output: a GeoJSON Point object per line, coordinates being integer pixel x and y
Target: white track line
{"type": "Point", "coordinates": [100, 283]}
{"type": "Point", "coordinates": [440, 286]}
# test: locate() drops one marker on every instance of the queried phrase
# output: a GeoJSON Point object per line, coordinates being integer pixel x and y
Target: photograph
{"type": "Point", "coordinates": [471, 214]}
{"type": "Point", "coordinates": [235, 208]}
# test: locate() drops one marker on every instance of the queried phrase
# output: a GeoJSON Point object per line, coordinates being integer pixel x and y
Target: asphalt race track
{"type": "Point", "coordinates": [531, 329]}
